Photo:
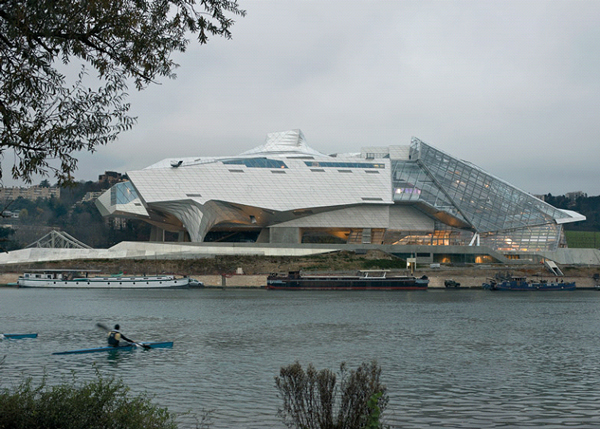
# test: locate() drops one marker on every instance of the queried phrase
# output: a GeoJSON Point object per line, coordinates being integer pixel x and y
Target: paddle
{"type": "Point", "coordinates": [107, 329]}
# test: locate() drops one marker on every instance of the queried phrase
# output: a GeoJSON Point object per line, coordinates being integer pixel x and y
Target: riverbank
{"type": "Point", "coordinates": [252, 271]}
{"type": "Point", "coordinates": [437, 277]}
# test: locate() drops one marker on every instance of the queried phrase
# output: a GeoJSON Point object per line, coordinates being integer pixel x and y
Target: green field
{"type": "Point", "coordinates": [583, 239]}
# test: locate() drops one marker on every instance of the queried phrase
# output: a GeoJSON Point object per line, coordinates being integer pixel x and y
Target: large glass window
{"type": "Point", "coordinates": [122, 193]}
{"type": "Point", "coordinates": [257, 163]}
{"type": "Point", "coordinates": [506, 217]}
{"type": "Point", "coordinates": [344, 164]}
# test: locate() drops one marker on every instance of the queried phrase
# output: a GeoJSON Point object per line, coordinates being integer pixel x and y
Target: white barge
{"type": "Point", "coordinates": [81, 279]}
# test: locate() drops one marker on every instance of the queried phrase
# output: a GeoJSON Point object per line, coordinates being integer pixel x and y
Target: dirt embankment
{"type": "Point", "coordinates": [263, 265]}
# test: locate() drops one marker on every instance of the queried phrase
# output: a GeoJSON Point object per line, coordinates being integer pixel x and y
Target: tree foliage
{"type": "Point", "coordinates": [47, 114]}
{"type": "Point", "coordinates": [587, 206]}
{"type": "Point", "coordinates": [69, 213]}
{"type": "Point", "coordinates": [98, 404]}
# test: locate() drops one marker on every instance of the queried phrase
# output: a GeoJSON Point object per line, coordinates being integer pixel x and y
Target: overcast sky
{"type": "Point", "coordinates": [511, 86]}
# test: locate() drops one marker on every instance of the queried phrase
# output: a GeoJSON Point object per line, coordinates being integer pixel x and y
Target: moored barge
{"type": "Point", "coordinates": [363, 280]}
{"type": "Point", "coordinates": [514, 283]}
{"type": "Point", "coordinates": [80, 279]}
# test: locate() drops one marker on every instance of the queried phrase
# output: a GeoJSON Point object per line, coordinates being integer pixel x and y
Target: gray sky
{"type": "Point", "coordinates": [511, 86]}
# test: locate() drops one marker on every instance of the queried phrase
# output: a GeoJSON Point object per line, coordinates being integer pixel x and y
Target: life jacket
{"type": "Point", "coordinates": [113, 338]}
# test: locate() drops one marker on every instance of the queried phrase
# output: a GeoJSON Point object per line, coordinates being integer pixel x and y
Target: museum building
{"type": "Point", "coordinates": [285, 192]}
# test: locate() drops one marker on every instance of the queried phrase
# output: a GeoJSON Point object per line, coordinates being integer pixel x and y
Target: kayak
{"type": "Point", "coordinates": [125, 347]}
{"type": "Point", "coordinates": [18, 336]}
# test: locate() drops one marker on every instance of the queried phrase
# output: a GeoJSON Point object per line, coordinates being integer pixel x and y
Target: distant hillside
{"type": "Point", "coordinates": [587, 206]}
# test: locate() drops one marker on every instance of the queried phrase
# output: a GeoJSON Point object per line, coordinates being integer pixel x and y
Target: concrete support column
{"type": "Point", "coordinates": [157, 234]}
{"type": "Point", "coordinates": [289, 235]}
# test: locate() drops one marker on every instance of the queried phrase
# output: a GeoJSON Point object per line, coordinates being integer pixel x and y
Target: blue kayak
{"type": "Point", "coordinates": [18, 336]}
{"type": "Point", "coordinates": [124, 347]}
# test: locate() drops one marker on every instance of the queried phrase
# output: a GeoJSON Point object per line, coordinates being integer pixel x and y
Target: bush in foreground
{"type": "Point", "coordinates": [310, 397]}
{"type": "Point", "coordinates": [97, 404]}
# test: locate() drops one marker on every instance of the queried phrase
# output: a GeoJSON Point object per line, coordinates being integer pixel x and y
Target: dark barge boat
{"type": "Point", "coordinates": [363, 280]}
{"type": "Point", "coordinates": [515, 283]}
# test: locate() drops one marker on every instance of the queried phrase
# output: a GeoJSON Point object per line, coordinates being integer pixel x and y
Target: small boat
{"type": "Point", "coordinates": [363, 280]}
{"type": "Point", "coordinates": [81, 279]}
{"type": "Point", "coordinates": [515, 283]}
{"type": "Point", "coordinates": [124, 347]}
{"type": "Point", "coordinates": [17, 336]}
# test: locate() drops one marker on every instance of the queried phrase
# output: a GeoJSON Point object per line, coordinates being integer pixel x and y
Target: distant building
{"type": "Point", "coordinates": [90, 196]}
{"type": "Point", "coordinates": [574, 195]}
{"type": "Point", "coordinates": [288, 193]}
{"type": "Point", "coordinates": [111, 177]}
{"type": "Point", "coordinates": [32, 193]}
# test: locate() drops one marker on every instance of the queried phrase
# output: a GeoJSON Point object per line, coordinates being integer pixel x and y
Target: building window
{"type": "Point", "coordinates": [257, 163]}
{"type": "Point", "coordinates": [344, 164]}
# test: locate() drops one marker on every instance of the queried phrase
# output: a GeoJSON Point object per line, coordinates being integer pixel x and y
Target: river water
{"type": "Point", "coordinates": [450, 358]}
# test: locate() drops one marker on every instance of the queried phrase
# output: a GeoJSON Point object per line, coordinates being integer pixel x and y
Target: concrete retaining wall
{"type": "Point", "coordinates": [6, 278]}
{"type": "Point", "coordinates": [235, 281]}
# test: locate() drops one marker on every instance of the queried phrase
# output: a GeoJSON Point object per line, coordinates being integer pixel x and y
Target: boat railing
{"type": "Point", "coordinates": [371, 274]}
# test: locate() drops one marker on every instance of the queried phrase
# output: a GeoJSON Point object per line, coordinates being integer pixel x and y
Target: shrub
{"type": "Point", "coordinates": [99, 404]}
{"type": "Point", "coordinates": [309, 397]}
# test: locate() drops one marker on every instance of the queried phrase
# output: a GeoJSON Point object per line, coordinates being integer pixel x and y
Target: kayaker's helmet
{"type": "Point", "coordinates": [117, 327]}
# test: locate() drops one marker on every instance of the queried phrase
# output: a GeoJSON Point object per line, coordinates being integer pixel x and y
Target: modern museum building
{"type": "Point", "coordinates": [284, 192]}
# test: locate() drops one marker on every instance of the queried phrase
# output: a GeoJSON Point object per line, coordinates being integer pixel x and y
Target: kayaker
{"type": "Point", "coordinates": [115, 336]}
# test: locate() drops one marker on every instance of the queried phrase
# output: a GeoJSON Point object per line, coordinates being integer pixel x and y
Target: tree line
{"type": "Point", "coordinates": [70, 214]}
{"type": "Point", "coordinates": [587, 206]}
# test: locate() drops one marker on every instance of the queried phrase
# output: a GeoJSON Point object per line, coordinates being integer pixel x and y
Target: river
{"type": "Point", "coordinates": [450, 358]}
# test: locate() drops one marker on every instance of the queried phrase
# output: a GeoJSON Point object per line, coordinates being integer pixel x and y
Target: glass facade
{"type": "Point", "coordinates": [122, 193]}
{"type": "Point", "coordinates": [505, 217]}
